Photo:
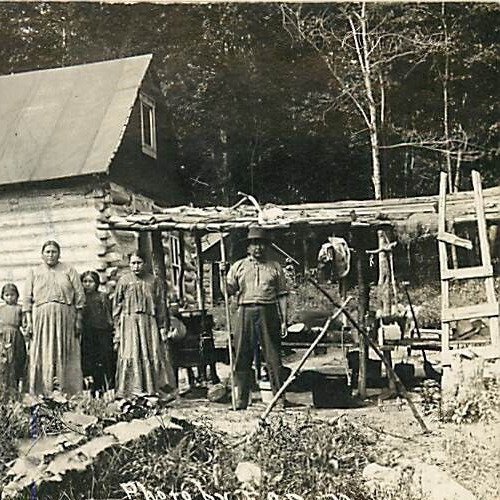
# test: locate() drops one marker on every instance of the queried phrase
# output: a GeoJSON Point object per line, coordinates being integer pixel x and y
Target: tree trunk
{"type": "Point", "coordinates": [446, 125]}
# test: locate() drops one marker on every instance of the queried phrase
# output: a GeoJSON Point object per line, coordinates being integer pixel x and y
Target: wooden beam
{"type": "Point", "coordinates": [468, 273]}
{"type": "Point", "coordinates": [487, 310]}
{"type": "Point", "coordinates": [455, 240]}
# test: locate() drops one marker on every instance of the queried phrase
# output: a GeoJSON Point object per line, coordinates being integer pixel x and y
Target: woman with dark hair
{"type": "Point", "coordinates": [52, 304]}
{"type": "Point", "coordinates": [140, 316]}
{"type": "Point", "coordinates": [98, 357]}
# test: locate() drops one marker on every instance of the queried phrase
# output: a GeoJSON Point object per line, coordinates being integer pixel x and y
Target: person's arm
{"type": "Point", "coordinates": [79, 299]}
{"type": "Point", "coordinates": [281, 293]}
{"type": "Point", "coordinates": [116, 311]}
{"type": "Point", "coordinates": [28, 304]}
{"type": "Point", "coordinates": [232, 280]}
{"type": "Point", "coordinates": [160, 309]}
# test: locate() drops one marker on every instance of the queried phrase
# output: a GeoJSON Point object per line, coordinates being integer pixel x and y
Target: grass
{"type": "Point", "coordinates": [298, 458]}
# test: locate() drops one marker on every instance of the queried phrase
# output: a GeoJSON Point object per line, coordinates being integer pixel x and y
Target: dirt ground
{"type": "Point", "coordinates": [470, 453]}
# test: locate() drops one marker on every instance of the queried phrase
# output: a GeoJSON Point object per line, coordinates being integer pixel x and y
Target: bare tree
{"type": "Point", "coordinates": [359, 44]}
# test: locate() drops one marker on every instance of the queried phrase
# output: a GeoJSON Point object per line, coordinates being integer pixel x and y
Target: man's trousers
{"type": "Point", "coordinates": [256, 326]}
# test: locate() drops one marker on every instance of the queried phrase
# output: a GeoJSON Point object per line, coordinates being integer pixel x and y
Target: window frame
{"type": "Point", "coordinates": [175, 262]}
{"type": "Point", "coordinates": [146, 102]}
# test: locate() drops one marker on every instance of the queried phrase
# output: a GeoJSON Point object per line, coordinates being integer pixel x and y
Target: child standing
{"type": "Point", "coordinates": [98, 357]}
{"type": "Point", "coordinates": [12, 344]}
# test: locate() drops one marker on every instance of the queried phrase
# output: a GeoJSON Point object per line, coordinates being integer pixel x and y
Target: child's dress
{"type": "Point", "coordinates": [12, 346]}
{"type": "Point", "coordinates": [98, 357]}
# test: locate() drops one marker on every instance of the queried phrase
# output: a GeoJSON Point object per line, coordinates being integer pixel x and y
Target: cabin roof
{"type": "Point", "coordinates": [66, 122]}
{"type": "Point", "coordinates": [413, 216]}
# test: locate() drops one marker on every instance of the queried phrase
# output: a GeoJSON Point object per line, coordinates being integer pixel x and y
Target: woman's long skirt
{"type": "Point", "coordinates": [143, 366]}
{"type": "Point", "coordinates": [54, 358]}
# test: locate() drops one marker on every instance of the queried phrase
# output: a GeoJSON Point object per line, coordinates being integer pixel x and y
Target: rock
{"type": "Point", "coordinates": [47, 447]}
{"type": "Point", "coordinates": [378, 477]}
{"type": "Point", "coordinates": [433, 483]}
{"type": "Point", "coordinates": [78, 421]}
{"type": "Point", "coordinates": [217, 393]}
{"type": "Point", "coordinates": [248, 473]}
{"type": "Point", "coordinates": [125, 432]}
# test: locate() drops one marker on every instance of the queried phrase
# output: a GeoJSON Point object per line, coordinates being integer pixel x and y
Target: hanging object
{"type": "Point", "coordinates": [334, 258]}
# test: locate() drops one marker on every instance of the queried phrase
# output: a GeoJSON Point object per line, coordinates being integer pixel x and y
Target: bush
{"type": "Point", "coordinates": [14, 424]}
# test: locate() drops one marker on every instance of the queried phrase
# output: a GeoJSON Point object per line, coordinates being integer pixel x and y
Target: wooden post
{"type": "Point", "coordinates": [359, 243]}
{"type": "Point", "coordinates": [158, 257]}
{"type": "Point", "coordinates": [305, 251]}
{"type": "Point", "coordinates": [485, 255]}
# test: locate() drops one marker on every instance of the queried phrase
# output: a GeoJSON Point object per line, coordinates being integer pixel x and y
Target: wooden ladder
{"type": "Point", "coordinates": [490, 308]}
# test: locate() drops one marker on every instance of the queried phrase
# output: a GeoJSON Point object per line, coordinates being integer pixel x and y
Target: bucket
{"type": "Point", "coordinates": [406, 373]}
{"type": "Point", "coordinates": [266, 393]}
{"type": "Point", "coordinates": [332, 391]}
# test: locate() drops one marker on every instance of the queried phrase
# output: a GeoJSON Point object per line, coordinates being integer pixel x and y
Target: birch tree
{"type": "Point", "coordinates": [360, 44]}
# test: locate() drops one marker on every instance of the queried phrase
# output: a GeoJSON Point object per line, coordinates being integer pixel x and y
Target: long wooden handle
{"type": "Point", "coordinates": [228, 318]}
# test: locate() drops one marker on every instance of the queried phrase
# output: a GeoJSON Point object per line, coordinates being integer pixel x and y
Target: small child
{"type": "Point", "coordinates": [98, 357]}
{"type": "Point", "coordinates": [12, 344]}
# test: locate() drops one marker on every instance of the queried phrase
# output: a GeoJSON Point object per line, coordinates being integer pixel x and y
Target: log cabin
{"type": "Point", "coordinates": [77, 145]}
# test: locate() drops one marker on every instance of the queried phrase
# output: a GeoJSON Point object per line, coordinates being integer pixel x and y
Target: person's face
{"type": "Point", "coordinates": [89, 284]}
{"type": "Point", "coordinates": [136, 265]}
{"type": "Point", "coordinates": [50, 255]}
{"type": "Point", "coordinates": [257, 249]}
{"type": "Point", "coordinates": [10, 298]}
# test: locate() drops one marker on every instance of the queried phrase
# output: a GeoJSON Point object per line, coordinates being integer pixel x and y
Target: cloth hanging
{"type": "Point", "coordinates": [335, 255]}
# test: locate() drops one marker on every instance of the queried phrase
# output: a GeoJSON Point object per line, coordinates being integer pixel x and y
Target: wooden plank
{"type": "Point", "coordinates": [465, 273]}
{"type": "Point", "coordinates": [485, 253]}
{"type": "Point", "coordinates": [455, 240]}
{"type": "Point", "coordinates": [470, 312]}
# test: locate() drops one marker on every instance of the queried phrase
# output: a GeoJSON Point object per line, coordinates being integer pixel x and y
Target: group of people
{"type": "Point", "coordinates": [76, 334]}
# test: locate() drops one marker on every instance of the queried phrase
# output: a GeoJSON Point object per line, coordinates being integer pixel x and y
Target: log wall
{"type": "Point", "coordinates": [30, 217]}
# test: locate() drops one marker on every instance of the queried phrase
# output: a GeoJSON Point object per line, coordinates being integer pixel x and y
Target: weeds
{"type": "Point", "coordinates": [482, 406]}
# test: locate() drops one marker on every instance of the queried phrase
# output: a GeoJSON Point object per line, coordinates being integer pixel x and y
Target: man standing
{"type": "Point", "coordinates": [260, 286]}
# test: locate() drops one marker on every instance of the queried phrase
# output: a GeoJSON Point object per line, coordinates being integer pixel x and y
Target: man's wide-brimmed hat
{"type": "Point", "coordinates": [258, 233]}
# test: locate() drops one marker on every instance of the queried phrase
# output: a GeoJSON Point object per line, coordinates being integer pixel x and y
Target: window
{"type": "Point", "coordinates": [175, 260]}
{"type": "Point", "coordinates": [148, 125]}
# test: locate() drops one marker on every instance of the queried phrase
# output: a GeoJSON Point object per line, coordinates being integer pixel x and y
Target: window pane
{"type": "Point", "coordinates": [146, 124]}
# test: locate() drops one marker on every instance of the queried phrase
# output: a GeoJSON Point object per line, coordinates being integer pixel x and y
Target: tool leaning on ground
{"type": "Point", "coordinates": [223, 272]}
{"type": "Point", "coordinates": [370, 342]}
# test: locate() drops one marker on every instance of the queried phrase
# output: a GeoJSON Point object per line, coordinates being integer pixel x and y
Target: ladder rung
{"type": "Point", "coordinates": [468, 273]}
{"type": "Point", "coordinates": [470, 312]}
{"type": "Point", "coordinates": [453, 239]}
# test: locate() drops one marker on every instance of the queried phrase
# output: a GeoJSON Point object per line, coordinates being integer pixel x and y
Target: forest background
{"type": "Point", "coordinates": [296, 102]}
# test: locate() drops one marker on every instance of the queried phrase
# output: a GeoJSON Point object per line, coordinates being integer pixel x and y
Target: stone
{"type": "Point", "coordinates": [248, 473]}
{"type": "Point", "coordinates": [379, 477]}
{"type": "Point", "coordinates": [433, 483]}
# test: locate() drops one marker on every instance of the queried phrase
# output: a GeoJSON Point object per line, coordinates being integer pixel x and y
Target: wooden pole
{"type": "Point", "coordinates": [228, 318]}
{"type": "Point", "coordinates": [370, 342]}
{"type": "Point", "coordinates": [304, 358]}
{"type": "Point", "coordinates": [363, 307]}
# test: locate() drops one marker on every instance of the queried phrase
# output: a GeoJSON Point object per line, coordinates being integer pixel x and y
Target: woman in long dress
{"type": "Point", "coordinates": [140, 317]}
{"type": "Point", "coordinates": [52, 304]}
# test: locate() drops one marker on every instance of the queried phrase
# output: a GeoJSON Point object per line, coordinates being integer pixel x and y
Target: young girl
{"type": "Point", "coordinates": [98, 357]}
{"type": "Point", "coordinates": [12, 345]}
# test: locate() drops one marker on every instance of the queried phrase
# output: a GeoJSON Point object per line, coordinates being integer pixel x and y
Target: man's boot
{"type": "Point", "coordinates": [242, 383]}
